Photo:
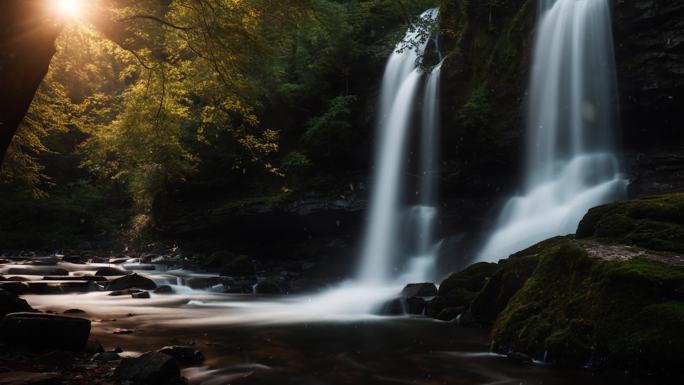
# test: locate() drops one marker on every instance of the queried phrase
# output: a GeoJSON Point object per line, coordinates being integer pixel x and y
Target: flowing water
{"type": "Point", "coordinates": [571, 162]}
{"type": "Point", "coordinates": [250, 339]}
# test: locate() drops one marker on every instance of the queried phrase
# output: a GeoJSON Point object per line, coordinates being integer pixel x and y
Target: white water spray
{"type": "Point", "coordinates": [571, 164]}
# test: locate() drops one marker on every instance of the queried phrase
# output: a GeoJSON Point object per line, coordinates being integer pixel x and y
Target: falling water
{"type": "Point", "coordinates": [571, 164]}
{"type": "Point", "coordinates": [399, 92]}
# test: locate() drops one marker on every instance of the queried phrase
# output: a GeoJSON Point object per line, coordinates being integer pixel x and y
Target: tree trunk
{"type": "Point", "coordinates": [27, 44]}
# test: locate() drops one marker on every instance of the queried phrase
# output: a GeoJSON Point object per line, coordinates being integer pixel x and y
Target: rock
{"type": "Point", "coordinates": [76, 259]}
{"type": "Point", "coordinates": [45, 331]}
{"type": "Point", "coordinates": [465, 319]}
{"type": "Point", "coordinates": [74, 311]}
{"type": "Point", "coordinates": [118, 293]}
{"type": "Point", "coordinates": [151, 368]}
{"type": "Point", "coordinates": [122, 331]}
{"type": "Point", "coordinates": [164, 289]}
{"type": "Point", "coordinates": [132, 281]}
{"type": "Point", "coordinates": [30, 378]}
{"type": "Point", "coordinates": [473, 278]}
{"type": "Point", "coordinates": [450, 313]}
{"type": "Point", "coordinates": [219, 259]}
{"type": "Point", "coordinates": [17, 288]}
{"type": "Point", "coordinates": [185, 355]}
{"type": "Point", "coordinates": [17, 279]}
{"type": "Point", "coordinates": [111, 272]}
{"type": "Point", "coordinates": [75, 278]}
{"type": "Point", "coordinates": [141, 295]}
{"type": "Point", "coordinates": [393, 307]}
{"type": "Point", "coordinates": [118, 260]}
{"type": "Point", "coordinates": [415, 305]}
{"type": "Point", "coordinates": [199, 283]}
{"type": "Point", "coordinates": [10, 303]}
{"type": "Point", "coordinates": [36, 270]}
{"type": "Point", "coordinates": [518, 357]}
{"type": "Point", "coordinates": [43, 261]}
{"type": "Point", "coordinates": [419, 290]}
{"type": "Point", "coordinates": [267, 286]}
{"type": "Point", "coordinates": [106, 356]}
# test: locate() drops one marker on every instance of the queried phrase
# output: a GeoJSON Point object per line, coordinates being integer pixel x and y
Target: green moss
{"type": "Point", "coordinates": [575, 309]}
{"type": "Point", "coordinates": [472, 278]}
{"type": "Point", "coordinates": [655, 223]}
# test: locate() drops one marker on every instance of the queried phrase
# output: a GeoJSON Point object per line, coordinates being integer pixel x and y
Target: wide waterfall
{"type": "Point", "coordinates": [399, 95]}
{"type": "Point", "coordinates": [571, 164]}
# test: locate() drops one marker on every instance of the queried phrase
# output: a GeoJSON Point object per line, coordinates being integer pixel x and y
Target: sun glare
{"type": "Point", "coordinates": [70, 9]}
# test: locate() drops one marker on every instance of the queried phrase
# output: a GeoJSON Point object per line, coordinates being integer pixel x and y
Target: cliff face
{"type": "Point", "coordinates": [485, 78]}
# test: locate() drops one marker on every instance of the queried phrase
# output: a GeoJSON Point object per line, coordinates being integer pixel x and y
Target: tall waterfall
{"type": "Point", "coordinates": [571, 163]}
{"type": "Point", "coordinates": [399, 95]}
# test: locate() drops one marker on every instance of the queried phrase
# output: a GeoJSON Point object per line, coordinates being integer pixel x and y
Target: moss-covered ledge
{"type": "Point", "coordinates": [612, 298]}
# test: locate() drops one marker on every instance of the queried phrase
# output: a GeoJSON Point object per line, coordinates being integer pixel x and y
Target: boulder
{"type": "Point", "coordinates": [393, 307]}
{"type": "Point", "coordinates": [141, 295]}
{"type": "Point", "coordinates": [419, 290]}
{"type": "Point", "coordinates": [111, 272]}
{"type": "Point", "coordinates": [267, 286]}
{"type": "Point", "coordinates": [36, 270]}
{"type": "Point", "coordinates": [450, 313]}
{"type": "Point", "coordinates": [473, 278]}
{"type": "Point", "coordinates": [118, 293]}
{"type": "Point", "coordinates": [45, 331]}
{"type": "Point", "coordinates": [43, 261]}
{"type": "Point", "coordinates": [415, 305]}
{"type": "Point", "coordinates": [74, 311]}
{"type": "Point", "coordinates": [185, 355]}
{"type": "Point", "coordinates": [164, 289]}
{"type": "Point", "coordinates": [76, 259]}
{"type": "Point", "coordinates": [106, 356]}
{"type": "Point", "coordinates": [131, 281]}
{"type": "Point", "coordinates": [10, 303]}
{"type": "Point", "coordinates": [17, 288]}
{"type": "Point", "coordinates": [152, 368]}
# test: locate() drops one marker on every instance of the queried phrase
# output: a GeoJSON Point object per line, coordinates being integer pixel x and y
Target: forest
{"type": "Point", "coordinates": [214, 192]}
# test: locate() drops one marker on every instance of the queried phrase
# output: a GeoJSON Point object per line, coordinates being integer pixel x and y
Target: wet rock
{"type": "Point", "coordinates": [111, 272]}
{"type": "Point", "coordinates": [141, 295]}
{"type": "Point", "coordinates": [393, 307]}
{"type": "Point", "coordinates": [131, 281]}
{"type": "Point", "coordinates": [419, 290]}
{"type": "Point", "coordinates": [43, 261]}
{"type": "Point", "coordinates": [76, 259]}
{"type": "Point", "coordinates": [106, 356]}
{"type": "Point", "coordinates": [75, 278]}
{"type": "Point", "coordinates": [185, 355]}
{"type": "Point", "coordinates": [465, 319]}
{"type": "Point", "coordinates": [37, 270]}
{"type": "Point", "coordinates": [473, 278]}
{"type": "Point", "coordinates": [118, 293]}
{"type": "Point", "coordinates": [268, 286]}
{"type": "Point", "coordinates": [164, 289]}
{"type": "Point", "coordinates": [10, 303]}
{"type": "Point", "coordinates": [151, 368]}
{"type": "Point", "coordinates": [415, 305]}
{"type": "Point", "coordinates": [118, 260]}
{"type": "Point", "coordinates": [122, 331]}
{"type": "Point", "coordinates": [30, 378]}
{"type": "Point", "coordinates": [520, 358]}
{"type": "Point", "coordinates": [74, 311]}
{"type": "Point", "coordinates": [17, 279]}
{"type": "Point", "coordinates": [17, 288]}
{"type": "Point", "coordinates": [45, 331]}
{"type": "Point", "coordinates": [139, 266]}
{"type": "Point", "coordinates": [200, 283]}
{"type": "Point", "coordinates": [450, 313]}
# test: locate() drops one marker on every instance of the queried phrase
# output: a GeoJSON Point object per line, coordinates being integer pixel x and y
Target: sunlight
{"type": "Point", "coordinates": [68, 9]}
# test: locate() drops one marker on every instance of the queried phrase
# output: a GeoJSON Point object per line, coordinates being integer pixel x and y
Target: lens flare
{"type": "Point", "coordinates": [69, 9]}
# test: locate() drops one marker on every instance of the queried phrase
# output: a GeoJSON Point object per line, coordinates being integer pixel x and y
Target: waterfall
{"type": "Point", "coordinates": [399, 95]}
{"type": "Point", "coordinates": [571, 163]}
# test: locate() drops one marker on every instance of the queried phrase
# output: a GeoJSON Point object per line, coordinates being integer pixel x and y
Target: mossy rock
{"type": "Point", "coordinates": [510, 276]}
{"type": "Point", "coordinates": [655, 223]}
{"type": "Point", "coordinates": [576, 309]}
{"type": "Point", "coordinates": [473, 278]}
